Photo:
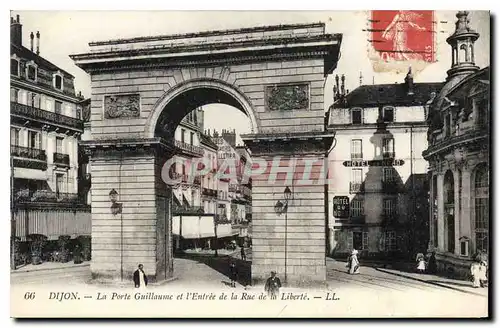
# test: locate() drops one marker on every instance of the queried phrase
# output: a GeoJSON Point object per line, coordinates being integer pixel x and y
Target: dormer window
{"type": "Point", "coordinates": [14, 66]}
{"type": "Point", "coordinates": [356, 116]}
{"type": "Point", "coordinates": [388, 114]}
{"type": "Point", "coordinates": [31, 71]}
{"type": "Point", "coordinates": [58, 81]}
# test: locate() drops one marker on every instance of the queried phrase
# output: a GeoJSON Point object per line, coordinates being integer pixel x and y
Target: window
{"type": "Point", "coordinates": [357, 208]}
{"type": "Point", "coordinates": [195, 118]}
{"type": "Point", "coordinates": [59, 183]}
{"type": "Point", "coordinates": [58, 107]}
{"type": "Point", "coordinates": [31, 72]}
{"type": "Point", "coordinates": [14, 95]}
{"type": "Point", "coordinates": [357, 176]}
{"type": "Point", "coordinates": [388, 114]}
{"type": "Point", "coordinates": [191, 139]}
{"type": "Point", "coordinates": [14, 136]}
{"type": "Point", "coordinates": [482, 207]}
{"type": "Point", "coordinates": [14, 66]}
{"type": "Point", "coordinates": [59, 145]}
{"type": "Point", "coordinates": [356, 149]}
{"type": "Point", "coordinates": [390, 241]}
{"type": "Point", "coordinates": [389, 207]}
{"type": "Point", "coordinates": [388, 148]}
{"type": "Point", "coordinates": [360, 240]}
{"type": "Point", "coordinates": [58, 82]}
{"type": "Point", "coordinates": [389, 174]}
{"type": "Point", "coordinates": [183, 132]}
{"type": "Point", "coordinates": [356, 116]}
{"type": "Point", "coordinates": [34, 140]}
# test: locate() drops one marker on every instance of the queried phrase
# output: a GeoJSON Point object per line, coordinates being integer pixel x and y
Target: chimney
{"type": "Point", "coordinates": [409, 83]}
{"type": "Point", "coordinates": [37, 42]}
{"type": "Point", "coordinates": [337, 85]}
{"type": "Point", "coordinates": [16, 31]}
{"type": "Point", "coordinates": [32, 37]}
{"type": "Point", "coordinates": [342, 87]}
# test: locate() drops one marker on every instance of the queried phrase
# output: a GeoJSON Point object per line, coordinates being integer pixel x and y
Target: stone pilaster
{"type": "Point", "coordinates": [457, 215]}
{"type": "Point", "coordinates": [440, 203]}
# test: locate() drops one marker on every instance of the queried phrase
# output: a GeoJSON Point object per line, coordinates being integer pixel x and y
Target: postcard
{"type": "Point", "coordinates": [196, 164]}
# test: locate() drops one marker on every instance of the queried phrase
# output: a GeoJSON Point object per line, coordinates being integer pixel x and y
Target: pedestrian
{"type": "Point", "coordinates": [243, 255]}
{"type": "Point", "coordinates": [77, 255]}
{"type": "Point", "coordinates": [431, 265]}
{"type": "Point", "coordinates": [353, 263]}
{"type": "Point", "coordinates": [273, 285]}
{"type": "Point", "coordinates": [420, 263]}
{"type": "Point", "coordinates": [233, 274]}
{"type": "Point", "coordinates": [140, 278]}
{"type": "Point", "coordinates": [483, 279]}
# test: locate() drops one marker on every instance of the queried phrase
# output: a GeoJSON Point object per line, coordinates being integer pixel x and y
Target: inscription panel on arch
{"type": "Point", "coordinates": [122, 106]}
{"type": "Point", "coordinates": [284, 97]}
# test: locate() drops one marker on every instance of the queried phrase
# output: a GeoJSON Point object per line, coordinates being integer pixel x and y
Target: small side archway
{"type": "Point", "coordinates": [185, 97]}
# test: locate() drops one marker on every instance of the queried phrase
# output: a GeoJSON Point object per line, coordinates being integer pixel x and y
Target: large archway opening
{"type": "Point", "coordinates": [209, 198]}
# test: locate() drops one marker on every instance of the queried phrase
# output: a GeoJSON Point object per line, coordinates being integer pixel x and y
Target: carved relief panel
{"type": "Point", "coordinates": [282, 97]}
{"type": "Point", "coordinates": [122, 106]}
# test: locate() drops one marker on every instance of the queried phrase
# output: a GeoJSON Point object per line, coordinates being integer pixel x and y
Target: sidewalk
{"type": "Point", "coordinates": [49, 266]}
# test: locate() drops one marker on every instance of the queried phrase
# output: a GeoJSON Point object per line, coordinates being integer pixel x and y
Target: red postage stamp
{"type": "Point", "coordinates": [401, 38]}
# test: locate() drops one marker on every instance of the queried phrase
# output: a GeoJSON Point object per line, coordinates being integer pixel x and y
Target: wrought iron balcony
{"type": "Point", "coordinates": [61, 159]}
{"type": "Point", "coordinates": [355, 187]}
{"type": "Point", "coordinates": [390, 186]}
{"type": "Point", "coordinates": [190, 149]}
{"type": "Point", "coordinates": [30, 158]}
{"type": "Point", "coordinates": [357, 219]}
{"type": "Point", "coordinates": [198, 210]}
{"type": "Point", "coordinates": [388, 154]}
{"type": "Point", "coordinates": [45, 196]}
{"type": "Point", "coordinates": [46, 116]}
{"type": "Point", "coordinates": [356, 155]}
{"type": "Point", "coordinates": [209, 192]}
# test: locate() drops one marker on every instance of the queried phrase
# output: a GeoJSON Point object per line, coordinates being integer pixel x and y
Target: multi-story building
{"type": "Point", "coordinates": [377, 175]}
{"type": "Point", "coordinates": [459, 156]}
{"type": "Point", "coordinates": [45, 127]}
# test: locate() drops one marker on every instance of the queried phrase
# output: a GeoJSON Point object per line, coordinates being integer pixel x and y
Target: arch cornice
{"type": "Point", "coordinates": [199, 83]}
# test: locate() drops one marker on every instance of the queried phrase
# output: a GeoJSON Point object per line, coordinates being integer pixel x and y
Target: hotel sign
{"type": "Point", "coordinates": [380, 162]}
{"type": "Point", "coordinates": [341, 207]}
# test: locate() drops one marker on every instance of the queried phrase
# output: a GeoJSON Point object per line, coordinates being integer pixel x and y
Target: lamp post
{"type": "Point", "coordinates": [282, 207]}
{"type": "Point", "coordinates": [116, 208]}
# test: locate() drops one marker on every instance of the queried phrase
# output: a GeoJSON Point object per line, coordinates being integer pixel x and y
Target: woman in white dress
{"type": "Point", "coordinates": [353, 263]}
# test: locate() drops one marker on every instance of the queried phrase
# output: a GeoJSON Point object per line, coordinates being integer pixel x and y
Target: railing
{"type": "Point", "coordinates": [40, 196]}
{"type": "Point", "coordinates": [356, 156]}
{"type": "Point", "coordinates": [188, 147]}
{"type": "Point", "coordinates": [390, 186]}
{"type": "Point", "coordinates": [31, 153]}
{"type": "Point", "coordinates": [209, 192]}
{"type": "Point", "coordinates": [388, 154]}
{"type": "Point", "coordinates": [221, 219]}
{"type": "Point", "coordinates": [188, 210]}
{"type": "Point", "coordinates": [186, 178]}
{"type": "Point", "coordinates": [357, 219]}
{"type": "Point", "coordinates": [37, 113]}
{"type": "Point", "coordinates": [356, 187]}
{"type": "Point", "coordinates": [61, 159]}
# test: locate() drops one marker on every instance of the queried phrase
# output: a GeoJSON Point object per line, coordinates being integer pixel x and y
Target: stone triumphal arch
{"type": "Point", "coordinates": [143, 87]}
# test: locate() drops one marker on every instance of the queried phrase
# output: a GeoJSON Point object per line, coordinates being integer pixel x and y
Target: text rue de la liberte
{"type": "Point", "coordinates": [188, 296]}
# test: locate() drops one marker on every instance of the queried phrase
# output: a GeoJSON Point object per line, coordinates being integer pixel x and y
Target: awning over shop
{"type": "Point", "coordinates": [29, 174]}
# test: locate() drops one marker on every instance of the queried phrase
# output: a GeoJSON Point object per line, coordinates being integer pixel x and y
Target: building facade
{"type": "Point", "coordinates": [459, 157]}
{"type": "Point", "coordinates": [377, 176]}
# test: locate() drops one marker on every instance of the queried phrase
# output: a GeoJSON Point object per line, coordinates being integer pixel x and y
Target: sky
{"type": "Point", "coordinates": [69, 32]}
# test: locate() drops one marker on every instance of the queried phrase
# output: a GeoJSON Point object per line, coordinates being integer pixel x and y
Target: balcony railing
{"type": "Point", "coordinates": [61, 159]}
{"type": "Point", "coordinates": [355, 187]}
{"type": "Point", "coordinates": [209, 192]}
{"type": "Point", "coordinates": [388, 154]}
{"type": "Point", "coordinates": [390, 186]}
{"type": "Point", "coordinates": [184, 178]}
{"type": "Point", "coordinates": [31, 153]}
{"type": "Point", "coordinates": [357, 219]}
{"type": "Point", "coordinates": [41, 196]}
{"type": "Point", "coordinates": [40, 114]}
{"type": "Point", "coordinates": [189, 148]}
{"type": "Point", "coordinates": [188, 210]}
{"type": "Point", "coordinates": [356, 156]}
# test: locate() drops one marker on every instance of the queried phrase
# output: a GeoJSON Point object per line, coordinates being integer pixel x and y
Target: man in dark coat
{"type": "Point", "coordinates": [273, 285]}
{"type": "Point", "coordinates": [140, 278]}
{"type": "Point", "coordinates": [233, 274]}
{"type": "Point", "coordinates": [243, 255]}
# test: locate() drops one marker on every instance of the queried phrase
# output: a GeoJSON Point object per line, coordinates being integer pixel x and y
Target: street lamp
{"type": "Point", "coordinates": [116, 208]}
{"type": "Point", "coordinates": [280, 208]}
